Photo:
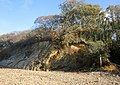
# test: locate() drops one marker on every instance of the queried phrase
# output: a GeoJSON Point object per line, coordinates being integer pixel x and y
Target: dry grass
{"type": "Point", "coordinates": [110, 68]}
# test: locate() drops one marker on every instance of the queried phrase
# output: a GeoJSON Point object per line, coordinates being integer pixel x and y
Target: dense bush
{"type": "Point", "coordinates": [115, 52]}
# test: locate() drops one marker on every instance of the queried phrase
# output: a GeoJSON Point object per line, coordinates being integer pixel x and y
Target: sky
{"type": "Point", "coordinates": [19, 15]}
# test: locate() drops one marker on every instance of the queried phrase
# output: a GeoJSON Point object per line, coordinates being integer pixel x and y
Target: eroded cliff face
{"type": "Point", "coordinates": [25, 57]}
{"type": "Point", "coordinates": [42, 56]}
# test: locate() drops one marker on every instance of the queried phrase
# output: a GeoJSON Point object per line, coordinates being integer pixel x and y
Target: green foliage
{"type": "Point", "coordinates": [115, 52]}
{"type": "Point", "coordinates": [94, 51]}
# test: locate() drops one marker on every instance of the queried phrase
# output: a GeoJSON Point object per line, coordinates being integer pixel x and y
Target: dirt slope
{"type": "Point", "coordinates": [27, 77]}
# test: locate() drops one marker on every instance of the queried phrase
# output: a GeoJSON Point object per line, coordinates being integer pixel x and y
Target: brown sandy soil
{"type": "Point", "coordinates": [26, 77]}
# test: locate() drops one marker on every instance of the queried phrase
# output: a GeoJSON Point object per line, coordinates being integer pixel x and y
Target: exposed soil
{"type": "Point", "coordinates": [27, 77]}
